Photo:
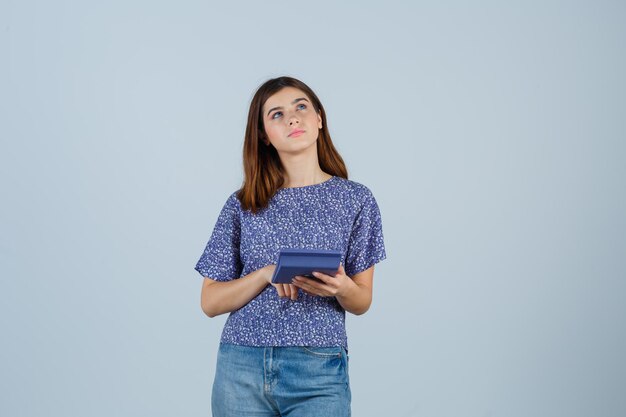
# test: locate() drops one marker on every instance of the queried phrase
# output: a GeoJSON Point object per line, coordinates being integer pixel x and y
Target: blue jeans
{"type": "Point", "coordinates": [281, 381]}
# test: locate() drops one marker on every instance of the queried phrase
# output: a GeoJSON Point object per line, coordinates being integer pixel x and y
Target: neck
{"type": "Point", "coordinates": [302, 170]}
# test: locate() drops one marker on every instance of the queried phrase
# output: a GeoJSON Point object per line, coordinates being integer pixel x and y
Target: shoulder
{"type": "Point", "coordinates": [232, 205]}
{"type": "Point", "coordinates": [356, 191]}
{"type": "Point", "coordinates": [233, 199]}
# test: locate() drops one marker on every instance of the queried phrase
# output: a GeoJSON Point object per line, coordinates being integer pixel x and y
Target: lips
{"type": "Point", "coordinates": [296, 132]}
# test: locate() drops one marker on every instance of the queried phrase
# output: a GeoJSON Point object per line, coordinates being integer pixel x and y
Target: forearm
{"type": "Point", "coordinates": [225, 297]}
{"type": "Point", "coordinates": [356, 299]}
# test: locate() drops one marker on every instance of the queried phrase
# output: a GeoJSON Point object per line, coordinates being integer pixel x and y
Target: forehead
{"type": "Point", "coordinates": [284, 97]}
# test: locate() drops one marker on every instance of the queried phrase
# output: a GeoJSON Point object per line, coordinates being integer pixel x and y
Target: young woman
{"type": "Point", "coordinates": [283, 348]}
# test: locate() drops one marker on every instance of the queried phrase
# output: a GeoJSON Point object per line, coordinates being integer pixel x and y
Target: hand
{"type": "Point", "coordinates": [287, 291]}
{"type": "Point", "coordinates": [284, 290]}
{"type": "Point", "coordinates": [327, 286]}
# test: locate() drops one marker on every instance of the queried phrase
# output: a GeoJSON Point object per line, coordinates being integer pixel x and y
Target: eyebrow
{"type": "Point", "coordinates": [293, 102]}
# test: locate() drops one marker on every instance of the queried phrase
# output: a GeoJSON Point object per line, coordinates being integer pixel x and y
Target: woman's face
{"type": "Point", "coordinates": [290, 120]}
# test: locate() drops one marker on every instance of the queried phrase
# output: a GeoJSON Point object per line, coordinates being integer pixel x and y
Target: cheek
{"type": "Point", "coordinates": [272, 132]}
{"type": "Point", "coordinates": [313, 119]}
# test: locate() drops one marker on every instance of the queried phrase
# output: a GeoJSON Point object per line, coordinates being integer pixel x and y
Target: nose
{"type": "Point", "coordinates": [293, 120]}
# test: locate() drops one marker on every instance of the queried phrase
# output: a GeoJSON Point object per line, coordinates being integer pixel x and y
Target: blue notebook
{"type": "Point", "coordinates": [292, 262]}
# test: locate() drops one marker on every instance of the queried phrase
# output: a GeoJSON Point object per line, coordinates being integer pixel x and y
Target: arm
{"type": "Point", "coordinates": [224, 297]}
{"type": "Point", "coordinates": [354, 294]}
{"type": "Point", "coordinates": [358, 298]}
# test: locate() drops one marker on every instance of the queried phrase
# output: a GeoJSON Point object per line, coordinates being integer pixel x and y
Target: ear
{"type": "Point", "coordinates": [319, 121]}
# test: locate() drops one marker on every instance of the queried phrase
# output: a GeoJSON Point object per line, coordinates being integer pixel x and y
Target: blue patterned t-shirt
{"type": "Point", "coordinates": [337, 214]}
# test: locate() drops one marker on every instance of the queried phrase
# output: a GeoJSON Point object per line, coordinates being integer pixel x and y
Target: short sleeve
{"type": "Point", "coordinates": [366, 246]}
{"type": "Point", "coordinates": [220, 259]}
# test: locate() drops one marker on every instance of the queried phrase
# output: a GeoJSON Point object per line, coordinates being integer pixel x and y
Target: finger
{"type": "Point", "coordinates": [326, 280]}
{"type": "Point", "coordinates": [311, 286]}
{"type": "Point", "coordinates": [303, 282]}
{"type": "Point", "coordinates": [304, 286]}
{"type": "Point", "coordinates": [279, 290]}
{"type": "Point", "coordinates": [306, 291]}
{"type": "Point", "coordinates": [294, 292]}
{"type": "Point", "coordinates": [287, 290]}
{"type": "Point", "coordinates": [322, 276]}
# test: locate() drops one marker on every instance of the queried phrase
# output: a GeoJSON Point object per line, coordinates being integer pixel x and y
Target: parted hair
{"type": "Point", "coordinates": [263, 171]}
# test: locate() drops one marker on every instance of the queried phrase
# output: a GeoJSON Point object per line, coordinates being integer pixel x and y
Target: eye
{"type": "Point", "coordinates": [302, 104]}
{"type": "Point", "coordinates": [274, 115]}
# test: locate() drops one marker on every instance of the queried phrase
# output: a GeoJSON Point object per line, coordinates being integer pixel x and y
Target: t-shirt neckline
{"type": "Point", "coordinates": [307, 187]}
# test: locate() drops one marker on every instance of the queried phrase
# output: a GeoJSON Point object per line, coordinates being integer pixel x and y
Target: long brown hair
{"type": "Point", "coordinates": [263, 171]}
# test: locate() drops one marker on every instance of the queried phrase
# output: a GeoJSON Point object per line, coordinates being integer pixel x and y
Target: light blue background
{"type": "Point", "coordinates": [493, 137]}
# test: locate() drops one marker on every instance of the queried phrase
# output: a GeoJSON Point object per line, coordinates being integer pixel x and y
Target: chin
{"type": "Point", "coordinates": [297, 147]}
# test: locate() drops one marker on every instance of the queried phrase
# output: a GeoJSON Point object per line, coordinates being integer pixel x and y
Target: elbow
{"type": "Point", "coordinates": [361, 311]}
{"type": "Point", "coordinates": [207, 301]}
{"type": "Point", "coordinates": [209, 310]}
{"type": "Point", "coordinates": [357, 308]}
{"type": "Point", "coordinates": [364, 307]}
{"type": "Point", "coordinates": [210, 313]}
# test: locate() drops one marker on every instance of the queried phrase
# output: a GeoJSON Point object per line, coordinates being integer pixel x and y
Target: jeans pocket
{"type": "Point", "coordinates": [323, 352]}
